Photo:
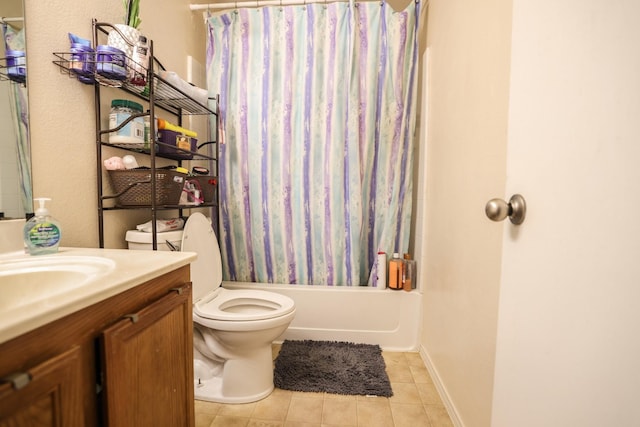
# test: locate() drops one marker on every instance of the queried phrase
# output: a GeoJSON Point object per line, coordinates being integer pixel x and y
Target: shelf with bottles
{"type": "Point", "coordinates": [170, 147]}
{"type": "Point", "coordinates": [161, 207]}
{"type": "Point", "coordinates": [107, 66]}
{"type": "Point", "coordinates": [175, 188]}
{"type": "Point", "coordinates": [14, 68]}
{"type": "Point", "coordinates": [180, 154]}
{"type": "Point", "coordinates": [167, 96]}
{"type": "Point", "coordinates": [107, 61]}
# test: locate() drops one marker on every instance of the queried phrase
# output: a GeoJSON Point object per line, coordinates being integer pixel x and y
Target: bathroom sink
{"type": "Point", "coordinates": [25, 281]}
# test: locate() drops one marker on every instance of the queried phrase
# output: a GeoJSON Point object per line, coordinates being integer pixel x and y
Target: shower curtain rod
{"type": "Point", "coordinates": [16, 19]}
{"type": "Point", "coordinates": [258, 3]}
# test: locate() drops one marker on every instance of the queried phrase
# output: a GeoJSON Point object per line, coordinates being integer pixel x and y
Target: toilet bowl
{"type": "Point", "coordinates": [233, 329]}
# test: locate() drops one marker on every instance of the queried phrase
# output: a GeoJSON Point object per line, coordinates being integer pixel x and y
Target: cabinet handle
{"type": "Point", "coordinates": [179, 290]}
{"type": "Point", "coordinates": [18, 380]}
{"type": "Point", "coordinates": [134, 317]}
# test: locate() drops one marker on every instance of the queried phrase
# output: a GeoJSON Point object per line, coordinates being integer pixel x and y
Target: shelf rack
{"type": "Point", "coordinates": [158, 93]}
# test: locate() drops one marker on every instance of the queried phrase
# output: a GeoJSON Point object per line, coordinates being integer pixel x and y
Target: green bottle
{"type": "Point", "coordinates": [42, 233]}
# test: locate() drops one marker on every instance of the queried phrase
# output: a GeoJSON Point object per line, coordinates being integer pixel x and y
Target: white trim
{"type": "Point", "coordinates": [442, 391]}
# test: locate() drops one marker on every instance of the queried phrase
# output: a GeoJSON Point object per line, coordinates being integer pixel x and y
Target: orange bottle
{"type": "Point", "coordinates": [395, 272]}
{"type": "Point", "coordinates": [408, 273]}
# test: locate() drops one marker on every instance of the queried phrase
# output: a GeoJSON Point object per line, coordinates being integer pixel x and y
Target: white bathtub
{"type": "Point", "coordinates": [355, 314]}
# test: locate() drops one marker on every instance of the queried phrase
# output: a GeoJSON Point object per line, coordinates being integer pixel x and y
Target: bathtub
{"type": "Point", "coordinates": [360, 314]}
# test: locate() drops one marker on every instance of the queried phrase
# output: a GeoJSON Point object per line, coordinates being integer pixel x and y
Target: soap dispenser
{"type": "Point", "coordinates": [42, 233]}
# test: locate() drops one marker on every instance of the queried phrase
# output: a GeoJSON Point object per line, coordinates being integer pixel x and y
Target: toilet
{"type": "Point", "coordinates": [232, 329]}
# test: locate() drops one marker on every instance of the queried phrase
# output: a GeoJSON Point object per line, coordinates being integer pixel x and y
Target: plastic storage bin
{"type": "Point", "coordinates": [16, 65]}
{"type": "Point", "coordinates": [176, 140]}
{"type": "Point", "coordinates": [111, 62]}
{"type": "Point", "coordinates": [132, 134]}
{"type": "Point", "coordinates": [83, 59]}
{"type": "Point", "coordinates": [142, 240]}
{"type": "Point", "coordinates": [208, 185]}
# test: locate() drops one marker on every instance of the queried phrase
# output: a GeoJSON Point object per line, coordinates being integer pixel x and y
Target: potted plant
{"type": "Point", "coordinates": [132, 13]}
{"type": "Point", "coordinates": [129, 29]}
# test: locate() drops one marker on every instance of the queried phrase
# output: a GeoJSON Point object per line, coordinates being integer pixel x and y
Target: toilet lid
{"type": "Point", "coordinates": [206, 270]}
{"type": "Point", "coordinates": [243, 305]}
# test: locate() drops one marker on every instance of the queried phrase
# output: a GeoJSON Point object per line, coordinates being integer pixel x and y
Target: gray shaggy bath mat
{"type": "Point", "coordinates": [332, 367]}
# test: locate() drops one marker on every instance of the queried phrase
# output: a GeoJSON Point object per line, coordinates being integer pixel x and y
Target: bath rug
{"type": "Point", "coordinates": [332, 367]}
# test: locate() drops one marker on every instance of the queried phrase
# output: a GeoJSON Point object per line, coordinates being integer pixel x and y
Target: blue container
{"type": "Point", "coordinates": [110, 62]}
{"type": "Point", "coordinates": [16, 65]}
{"type": "Point", "coordinates": [82, 60]}
{"type": "Point", "coordinates": [88, 80]}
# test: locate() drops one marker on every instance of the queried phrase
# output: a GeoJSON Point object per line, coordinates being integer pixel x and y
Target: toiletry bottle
{"type": "Point", "coordinates": [408, 273]}
{"type": "Point", "coordinates": [132, 134]}
{"type": "Point", "coordinates": [381, 271]}
{"type": "Point", "coordinates": [42, 233]}
{"type": "Point", "coordinates": [140, 59]}
{"type": "Point", "coordinates": [395, 272]}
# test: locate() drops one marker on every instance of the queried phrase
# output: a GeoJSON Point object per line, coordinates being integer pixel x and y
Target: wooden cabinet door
{"type": "Point", "coordinates": [51, 397]}
{"type": "Point", "coordinates": [148, 365]}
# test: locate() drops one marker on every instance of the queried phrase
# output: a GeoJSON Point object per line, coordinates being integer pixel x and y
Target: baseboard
{"type": "Point", "coordinates": [442, 391]}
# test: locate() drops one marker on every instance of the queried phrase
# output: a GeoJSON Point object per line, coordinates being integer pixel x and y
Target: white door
{"type": "Point", "coordinates": [568, 347]}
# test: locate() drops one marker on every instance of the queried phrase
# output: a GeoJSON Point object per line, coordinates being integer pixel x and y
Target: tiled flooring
{"type": "Point", "coordinates": [415, 403]}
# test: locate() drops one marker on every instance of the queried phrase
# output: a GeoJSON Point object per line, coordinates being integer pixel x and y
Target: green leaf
{"type": "Point", "coordinates": [132, 9]}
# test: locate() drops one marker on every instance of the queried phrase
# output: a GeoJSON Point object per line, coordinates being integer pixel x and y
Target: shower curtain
{"type": "Point", "coordinates": [14, 39]}
{"type": "Point", "coordinates": [317, 119]}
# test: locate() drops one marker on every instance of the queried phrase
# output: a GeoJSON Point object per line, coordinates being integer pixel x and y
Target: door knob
{"type": "Point", "coordinates": [498, 209]}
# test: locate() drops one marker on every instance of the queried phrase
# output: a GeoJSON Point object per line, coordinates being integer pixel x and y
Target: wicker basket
{"type": "Point", "coordinates": [135, 186]}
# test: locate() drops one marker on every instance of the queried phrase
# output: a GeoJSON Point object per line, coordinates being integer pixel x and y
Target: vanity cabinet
{"type": "Point", "coordinates": [45, 395]}
{"type": "Point", "coordinates": [125, 361]}
{"type": "Point", "coordinates": [150, 390]}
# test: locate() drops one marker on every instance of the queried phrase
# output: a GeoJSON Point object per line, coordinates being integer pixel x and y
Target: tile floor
{"type": "Point", "coordinates": [415, 403]}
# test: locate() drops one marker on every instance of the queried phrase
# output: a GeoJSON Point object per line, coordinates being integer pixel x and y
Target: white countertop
{"type": "Point", "coordinates": [131, 268]}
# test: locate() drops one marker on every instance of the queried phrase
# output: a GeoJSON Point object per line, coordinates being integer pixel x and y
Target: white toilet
{"type": "Point", "coordinates": [233, 329]}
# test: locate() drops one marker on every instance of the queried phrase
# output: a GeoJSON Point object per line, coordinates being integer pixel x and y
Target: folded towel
{"type": "Point", "coordinates": [199, 94]}
{"type": "Point", "coordinates": [162, 225]}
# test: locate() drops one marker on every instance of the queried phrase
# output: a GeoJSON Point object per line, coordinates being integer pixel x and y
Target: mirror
{"type": "Point", "coordinates": [15, 160]}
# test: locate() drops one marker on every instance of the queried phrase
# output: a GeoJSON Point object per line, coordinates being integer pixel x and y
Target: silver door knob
{"type": "Point", "coordinates": [498, 209]}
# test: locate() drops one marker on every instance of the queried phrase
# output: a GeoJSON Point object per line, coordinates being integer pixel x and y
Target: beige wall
{"type": "Point", "coordinates": [62, 113]}
{"type": "Point", "coordinates": [469, 54]}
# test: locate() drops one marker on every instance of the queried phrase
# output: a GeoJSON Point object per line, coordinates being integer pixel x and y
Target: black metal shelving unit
{"type": "Point", "coordinates": [158, 93]}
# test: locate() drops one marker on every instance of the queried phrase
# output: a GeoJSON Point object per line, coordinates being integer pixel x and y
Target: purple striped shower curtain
{"type": "Point", "coordinates": [19, 106]}
{"type": "Point", "coordinates": [317, 108]}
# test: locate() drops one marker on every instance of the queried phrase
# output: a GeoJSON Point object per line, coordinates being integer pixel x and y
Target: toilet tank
{"type": "Point", "coordinates": [144, 240]}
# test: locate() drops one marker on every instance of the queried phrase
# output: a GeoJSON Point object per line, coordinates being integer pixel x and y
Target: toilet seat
{"type": "Point", "coordinates": [243, 305]}
{"type": "Point", "coordinates": [206, 270]}
{"type": "Point", "coordinates": [210, 301]}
